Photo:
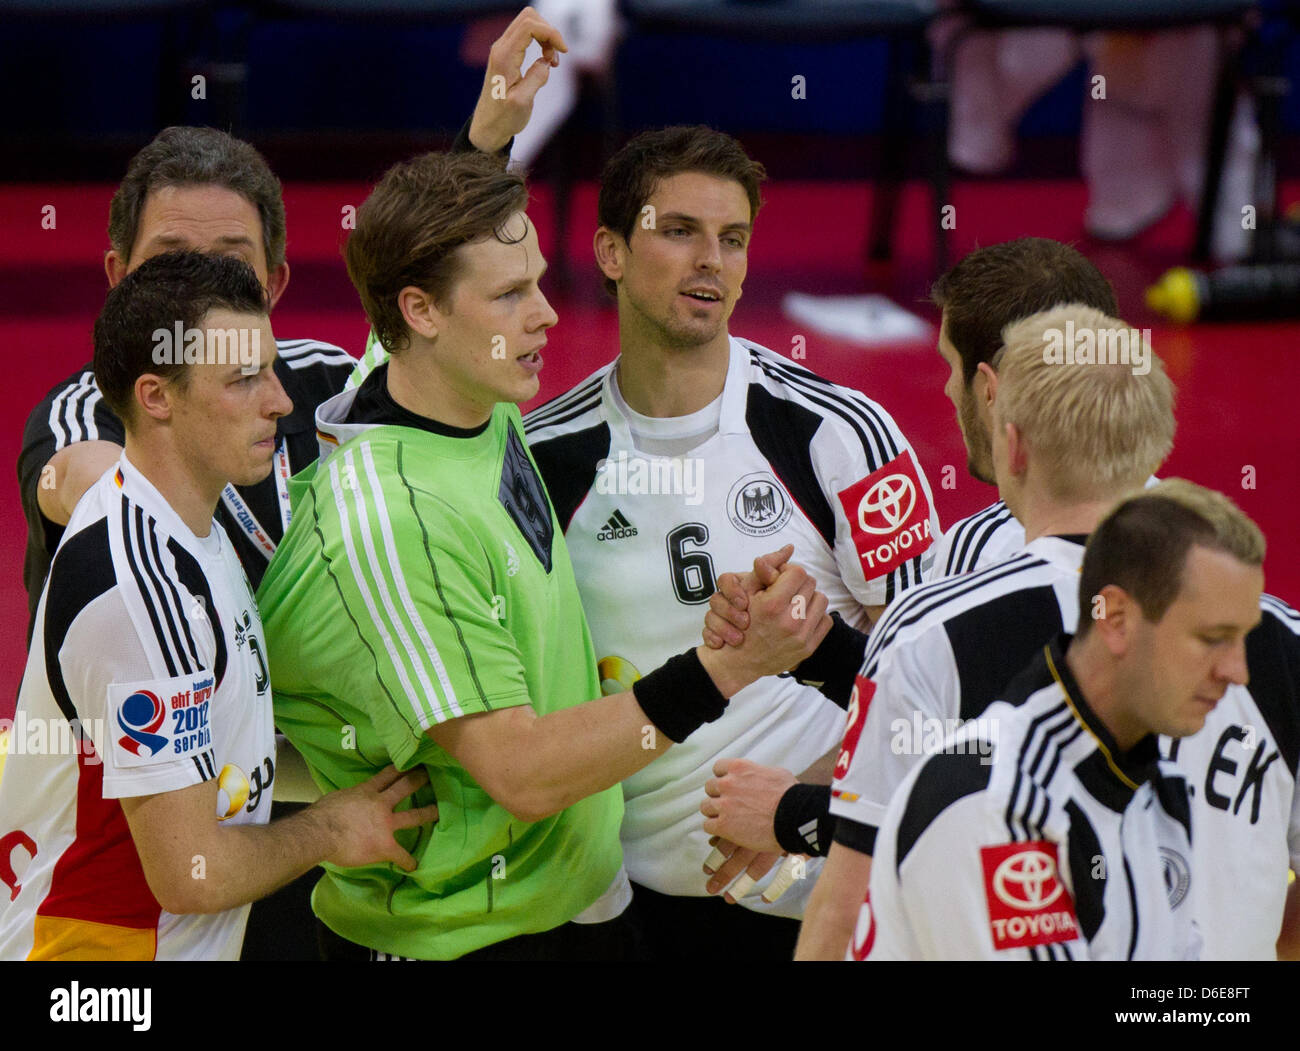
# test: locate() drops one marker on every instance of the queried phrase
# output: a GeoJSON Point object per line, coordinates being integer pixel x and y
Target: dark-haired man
{"type": "Point", "coordinates": [988, 290]}
{"type": "Point", "coordinates": [693, 452]}
{"type": "Point", "coordinates": [1051, 829]}
{"type": "Point", "coordinates": [146, 836]}
{"type": "Point", "coordinates": [422, 607]}
{"type": "Point", "coordinates": [199, 189]}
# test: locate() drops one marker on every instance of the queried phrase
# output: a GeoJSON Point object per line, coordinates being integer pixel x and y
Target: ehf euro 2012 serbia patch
{"type": "Point", "coordinates": [161, 720]}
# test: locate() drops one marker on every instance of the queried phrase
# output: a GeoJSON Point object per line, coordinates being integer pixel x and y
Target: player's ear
{"type": "Point", "coordinates": [610, 249]}
{"type": "Point", "coordinates": [276, 282]}
{"type": "Point", "coordinates": [985, 370]}
{"type": "Point", "coordinates": [420, 311]}
{"type": "Point", "coordinates": [153, 396]}
{"type": "Point", "coordinates": [1113, 612]}
{"type": "Point", "coordinates": [114, 267]}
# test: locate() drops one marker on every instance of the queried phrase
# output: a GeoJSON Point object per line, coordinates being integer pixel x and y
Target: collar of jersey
{"type": "Point", "coordinates": [1058, 550]}
{"type": "Point", "coordinates": [735, 397]}
{"type": "Point", "coordinates": [1110, 775]}
{"type": "Point", "coordinates": [137, 488]}
{"type": "Point", "coordinates": [332, 434]}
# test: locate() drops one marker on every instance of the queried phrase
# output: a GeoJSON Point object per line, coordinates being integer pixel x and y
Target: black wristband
{"type": "Point", "coordinates": [803, 822]}
{"type": "Point", "coordinates": [834, 665]}
{"type": "Point", "coordinates": [679, 697]}
{"type": "Point", "coordinates": [856, 836]}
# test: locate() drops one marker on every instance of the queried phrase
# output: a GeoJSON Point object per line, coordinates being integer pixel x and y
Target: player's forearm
{"type": "Point", "coordinates": [242, 863]}
{"type": "Point", "coordinates": [833, 905]}
{"type": "Point", "coordinates": [571, 754]}
{"type": "Point", "coordinates": [574, 753]}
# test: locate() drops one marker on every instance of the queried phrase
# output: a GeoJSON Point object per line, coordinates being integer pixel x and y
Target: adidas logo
{"type": "Point", "coordinates": [617, 528]}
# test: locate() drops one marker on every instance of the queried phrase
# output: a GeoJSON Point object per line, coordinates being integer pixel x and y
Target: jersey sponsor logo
{"type": "Point", "coordinates": [889, 516]}
{"type": "Point", "coordinates": [617, 674]}
{"type": "Point", "coordinates": [859, 702]}
{"type": "Point", "coordinates": [1178, 875]}
{"type": "Point", "coordinates": [617, 528]}
{"type": "Point", "coordinates": [1028, 903]}
{"type": "Point", "coordinates": [161, 721]}
{"type": "Point", "coordinates": [238, 791]}
{"type": "Point", "coordinates": [757, 504]}
{"type": "Point", "coordinates": [864, 932]}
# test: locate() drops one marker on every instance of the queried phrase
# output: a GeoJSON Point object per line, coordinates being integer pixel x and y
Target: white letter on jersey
{"type": "Point", "coordinates": [348, 737]}
{"type": "Point", "coordinates": [48, 217]}
{"type": "Point", "coordinates": [948, 477]}
{"type": "Point", "coordinates": [1248, 477]}
{"type": "Point", "coordinates": [498, 866]}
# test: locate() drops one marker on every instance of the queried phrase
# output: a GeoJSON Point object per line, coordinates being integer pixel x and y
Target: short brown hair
{"type": "Point", "coordinates": [632, 174]}
{"type": "Point", "coordinates": [183, 156]}
{"type": "Point", "coordinates": [1142, 545]}
{"type": "Point", "coordinates": [169, 290]}
{"type": "Point", "coordinates": [994, 286]}
{"type": "Point", "coordinates": [410, 226]}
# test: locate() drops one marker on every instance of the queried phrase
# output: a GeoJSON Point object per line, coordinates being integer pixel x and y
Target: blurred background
{"type": "Point", "coordinates": [898, 135]}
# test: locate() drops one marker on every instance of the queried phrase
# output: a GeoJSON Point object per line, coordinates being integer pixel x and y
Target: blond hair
{"type": "Point", "coordinates": [1097, 422]}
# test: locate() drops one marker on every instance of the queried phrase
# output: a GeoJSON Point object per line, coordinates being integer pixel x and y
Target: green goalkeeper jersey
{"type": "Point", "coordinates": [424, 578]}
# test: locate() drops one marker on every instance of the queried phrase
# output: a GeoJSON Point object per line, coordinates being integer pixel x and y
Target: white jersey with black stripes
{"type": "Point", "coordinates": [654, 509]}
{"type": "Point", "coordinates": [146, 675]}
{"type": "Point", "coordinates": [980, 540]}
{"type": "Point", "coordinates": [977, 541]}
{"type": "Point", "coordinates": [936, 659]}
{"type": "Point", "coordinates": [1031, 836]}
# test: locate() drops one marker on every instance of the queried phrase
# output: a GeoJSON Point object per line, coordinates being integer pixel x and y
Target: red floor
{"type": "Point", "coordinates": [1236, 384]}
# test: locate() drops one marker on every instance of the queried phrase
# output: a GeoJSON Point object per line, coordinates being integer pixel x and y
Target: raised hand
{"type": "Point", "coordinates": [506, 101]}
